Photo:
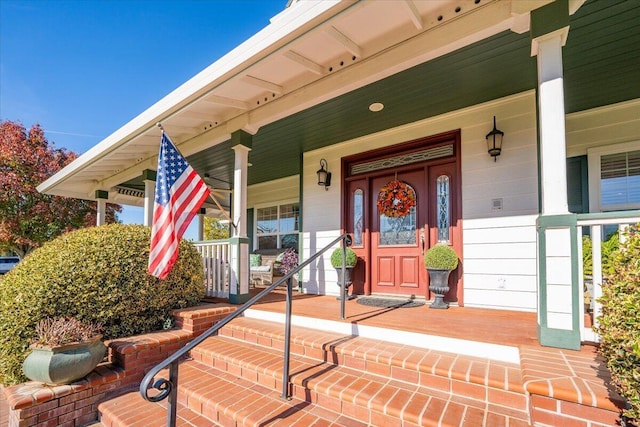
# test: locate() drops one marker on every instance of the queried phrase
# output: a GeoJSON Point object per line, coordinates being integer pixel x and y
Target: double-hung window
{"type": "Point", "coordinates": [277, 226]}
{"type": "Point", "coordinates": [614, 177]}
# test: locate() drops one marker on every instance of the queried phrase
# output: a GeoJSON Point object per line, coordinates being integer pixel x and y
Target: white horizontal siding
{"type": "Point", "coordinates": [602, 126]}
{"type": "Point", "coordinates": [272, 192]}
{"type": "Point", "coordinates": [500, 269]}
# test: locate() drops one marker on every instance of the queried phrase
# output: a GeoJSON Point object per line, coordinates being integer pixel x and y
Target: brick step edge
{"type": "Point", "coordinates": [379, 357]}
{"type": "Point", "coordinates": [362, 393]}
{"type": "Point", "coordinates": [208, 396]}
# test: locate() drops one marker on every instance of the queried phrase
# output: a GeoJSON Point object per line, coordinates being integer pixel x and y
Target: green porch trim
{"type": "Point", "coordinates": [101, 194]}
{"type": "Point", "coordinates": [241, 137]}
{"type": "Point", "coordinates": [149, 175]}
{"type": "Point", "coordinates": [549, 18]}
{"type": "Point", "coordinates": [552, 337]}
{"type": "Point", "coordinates": [237, 297]}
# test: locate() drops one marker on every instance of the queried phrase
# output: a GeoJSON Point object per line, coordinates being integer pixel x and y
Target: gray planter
{"type": "Point", "coordinates": [63, 364]}
{"type": "Point", "coordinates": [439, 285]}
{"type": "Point", "coordinates": [348, 281]}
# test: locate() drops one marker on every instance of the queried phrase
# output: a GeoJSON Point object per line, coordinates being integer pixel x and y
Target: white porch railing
{"type": "Point", "coordinates": [591, 308]}
{"type": "Point", "coordinates": [215, 258]}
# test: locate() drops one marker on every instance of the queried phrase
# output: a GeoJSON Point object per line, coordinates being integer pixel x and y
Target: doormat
{"type": "Point", "coordinates": [389, 302]}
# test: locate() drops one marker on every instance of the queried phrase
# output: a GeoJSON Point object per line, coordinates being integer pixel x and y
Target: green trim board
{"type": "Point", "coordinates": [549, 18]}
{"type": "Point", "coordinates": [101, 194]}
{"type": "Point", "coordinates": [562, 338]}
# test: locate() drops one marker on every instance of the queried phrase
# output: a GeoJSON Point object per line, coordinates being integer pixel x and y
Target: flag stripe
{"type": "Point", "coordinates": [179, 194]}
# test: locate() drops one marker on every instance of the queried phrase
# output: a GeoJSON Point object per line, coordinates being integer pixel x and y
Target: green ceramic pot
{"type": "Point", "coordinates": [63, 364]}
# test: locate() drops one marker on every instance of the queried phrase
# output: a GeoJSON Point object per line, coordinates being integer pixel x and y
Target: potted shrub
{"type": "Point", "coordinates": [63, 351]}
{"type": "Point", "coordinates": [440, 260]}
{"type": "Point", "coordinates": [351, 259]}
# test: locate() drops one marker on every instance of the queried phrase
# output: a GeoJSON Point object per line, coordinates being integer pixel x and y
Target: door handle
{"type": "Point", "coordinates": [422, 241]}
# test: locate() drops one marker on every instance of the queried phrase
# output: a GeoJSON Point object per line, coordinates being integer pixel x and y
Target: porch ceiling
{"type": "Point", "coordinates": [307, 79]}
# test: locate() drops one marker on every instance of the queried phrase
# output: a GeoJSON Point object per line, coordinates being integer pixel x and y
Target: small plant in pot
{"type": "Point", "coordinates": [351, 259]}
{"type": "Point", "coordinates": [63, 351]}
{"type": "Point", "coordinates": [440, 260]}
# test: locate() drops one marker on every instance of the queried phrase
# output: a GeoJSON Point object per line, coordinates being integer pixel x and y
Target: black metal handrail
{"type": "Point", "coordinates": [169, 388]}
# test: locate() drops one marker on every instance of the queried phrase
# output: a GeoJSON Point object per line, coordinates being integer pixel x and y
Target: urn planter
{"type": "Point", "coordinates": [63, 364]}
{"type": "Point", "coordinates": [440, 260]}
{"type": "Point", "coordinates": [439, 285]}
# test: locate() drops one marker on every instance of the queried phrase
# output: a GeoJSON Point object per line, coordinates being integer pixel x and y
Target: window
{"type": "Point", "coordinates": [358, 216]}
{"type": "Point", "coordinates": [278, 226]}
{"type": "Point", "coordinates": [442, 201]}
{"type": "Point", "coordinates": [614, 177]}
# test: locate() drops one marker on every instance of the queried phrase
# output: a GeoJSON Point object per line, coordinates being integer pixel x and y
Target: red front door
{"type": "Point", "coordinates": [397, 242]}
{"type": "Point", "coordinates": [391, 248]}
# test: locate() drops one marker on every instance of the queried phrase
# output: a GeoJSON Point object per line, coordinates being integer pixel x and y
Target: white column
{"type": "Point", "coordinates": [240, 190]}
{"type": "Point", "coordinates": [101, 211]}
{"type": "Point", "coordinates": [552, 122]}
{"type": "Point", "coordinates": [149, 197]}
{"type": "Point", "coordinates": [201, 216]}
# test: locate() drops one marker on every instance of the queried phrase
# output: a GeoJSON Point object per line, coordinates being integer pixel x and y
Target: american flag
{"type": "Point", "coordinates": [179, 194]}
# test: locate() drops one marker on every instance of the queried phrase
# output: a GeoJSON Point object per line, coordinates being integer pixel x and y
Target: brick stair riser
{"type": "Point", "coordinates": [338, 398]}
{"type": "Point", "coordinates": [426, 374]}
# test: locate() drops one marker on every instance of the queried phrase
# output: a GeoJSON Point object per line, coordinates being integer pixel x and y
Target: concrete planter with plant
{"type": "Point", "coordinates": [440, 260]}
{"type": "Point", "coordinates": [351, 259]}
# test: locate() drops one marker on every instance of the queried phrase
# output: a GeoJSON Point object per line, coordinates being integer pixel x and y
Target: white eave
{"type": "Point", "coordinates": [311, 52]}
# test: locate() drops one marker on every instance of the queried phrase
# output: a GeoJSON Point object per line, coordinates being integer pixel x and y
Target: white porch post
{"type": "Point", "coordinates": [558, 283]}
{"type": "Point", "coordinates": [553, 151]}
{"type": "Point", "coordinates": [201, 216]}
{"type": "Point", "coordinates": [239, 256]}
{"type": "Point", "coordinates": [101, 211]}
{"type": "Point", "coordinates": [149, 178]}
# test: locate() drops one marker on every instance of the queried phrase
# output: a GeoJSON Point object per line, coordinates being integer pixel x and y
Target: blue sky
{"type": "Point", "coordinates": [84, 68]}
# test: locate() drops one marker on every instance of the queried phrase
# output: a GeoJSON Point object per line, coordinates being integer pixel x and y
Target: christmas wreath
{"type": "Point", "coordinates": [396, 199]}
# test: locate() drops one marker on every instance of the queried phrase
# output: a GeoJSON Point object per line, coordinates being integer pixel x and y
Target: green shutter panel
{"type": "Point", "coordinates": [577, 184]}
{"type": "Point", "coordinates": [250, 228]}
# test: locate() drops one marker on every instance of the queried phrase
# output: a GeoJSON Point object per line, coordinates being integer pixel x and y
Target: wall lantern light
{"type": "Point", "coordinates": [324, 176]}
{"type": "Point", "coordinates": [494, 141]}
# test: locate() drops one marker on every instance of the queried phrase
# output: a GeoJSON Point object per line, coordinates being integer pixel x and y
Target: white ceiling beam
{"type": "Point", "coordinates": [345, 41]}
{"type": "Point", "coordinates": [189, 114]}
{"type": "Point", "coordinates": [305, 62]}
{"type": "Point", "coordinates": [227, 102]}
{"type": "Point", "coordinates": [263, 84]}
{"type": "Point", "coordinates": [414, 14]}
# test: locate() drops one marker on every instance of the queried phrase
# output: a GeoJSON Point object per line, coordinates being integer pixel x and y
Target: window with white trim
{"type": "Point", "coordinates": [614, 177]}
{"type": "Point", "coordinates": [278, 226]}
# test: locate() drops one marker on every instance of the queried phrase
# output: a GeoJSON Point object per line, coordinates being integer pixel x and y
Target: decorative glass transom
{"type": "Point", "coordinates": [404, 159]}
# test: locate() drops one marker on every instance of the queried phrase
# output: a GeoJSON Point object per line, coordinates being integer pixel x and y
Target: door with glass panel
{"type": "Point", "coordinates": [397, 233]}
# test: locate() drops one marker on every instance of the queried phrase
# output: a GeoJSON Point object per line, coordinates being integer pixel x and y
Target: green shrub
{"type": "Point", "coordinates": [336, 258]}
{"type": "Point", "coordinates": [441, 257]}
{"type": "Point", "coordinates": [609, 246]}
{"type": "Point", "coordinates": [96, 274]}
{"type": "Point", "coordinates": [619, 324]}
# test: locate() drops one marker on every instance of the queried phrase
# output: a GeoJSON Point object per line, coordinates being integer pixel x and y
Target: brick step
{"type": "Point", "coordinates": [482, 379]}
{"type": "Point", "coordinates": [374, 399]}
{"type": "Point", "coordinates": [210, 397]}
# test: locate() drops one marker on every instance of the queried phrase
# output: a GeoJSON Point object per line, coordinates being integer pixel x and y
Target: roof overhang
{"type": "Point", "coordinates": [311, 52]}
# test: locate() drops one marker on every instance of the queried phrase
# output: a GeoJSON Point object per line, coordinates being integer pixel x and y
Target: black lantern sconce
{"type": "Point", "coordinates": [494, 141]}
{"type": "Point", "coordinates": [324, 176]}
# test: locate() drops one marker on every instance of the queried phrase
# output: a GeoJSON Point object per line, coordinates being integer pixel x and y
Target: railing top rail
{"type": "Point", "coordinates": [211, 242]}
{"type": "Point", "coordinates": [603, 218]}
{"type": "Point", "coordinates": [163, 384]}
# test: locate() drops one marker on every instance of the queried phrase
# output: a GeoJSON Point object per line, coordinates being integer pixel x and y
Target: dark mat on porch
{"type": "Point", "coordinates": [389, 302]}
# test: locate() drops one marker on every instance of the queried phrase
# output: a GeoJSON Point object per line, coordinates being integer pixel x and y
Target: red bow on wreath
{"type": "Point", "coordinates": [396, 199]}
